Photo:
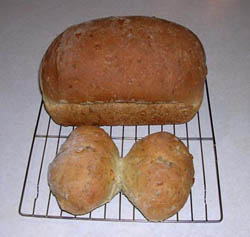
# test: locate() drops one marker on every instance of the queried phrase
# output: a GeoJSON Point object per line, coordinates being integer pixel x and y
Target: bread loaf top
{"type": "Point", "coordinates": [124, 59]}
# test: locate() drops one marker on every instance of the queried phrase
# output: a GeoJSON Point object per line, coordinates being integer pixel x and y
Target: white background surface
{"type": "Point", "coordinates": [26, 30]}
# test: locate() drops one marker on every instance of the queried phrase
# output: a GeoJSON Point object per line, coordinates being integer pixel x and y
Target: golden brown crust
{"type": "Point", "coordinates": [132, 59]}
{"type": "Point", "coordinates": [157, 175]}
{"type": "Point", "coordinates": [84, 175]}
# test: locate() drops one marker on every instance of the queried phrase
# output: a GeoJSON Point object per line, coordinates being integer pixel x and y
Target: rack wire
{"type": "Point", "coordinates": [204, 204]}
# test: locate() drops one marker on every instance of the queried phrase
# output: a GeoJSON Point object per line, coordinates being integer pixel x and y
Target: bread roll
{"type": "Point", "coordinates": [130, 70]}
{"type": "Point", "coordinates": [84, 175]}
{"type": "Point", "coordinates": [157, 175]}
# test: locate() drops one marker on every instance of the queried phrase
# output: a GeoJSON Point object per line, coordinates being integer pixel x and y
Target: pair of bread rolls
{"type": "Point", "coordinates": [156, 175]}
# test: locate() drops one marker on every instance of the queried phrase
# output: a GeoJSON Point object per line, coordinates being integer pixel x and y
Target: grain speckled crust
{"type": "Point", "coordinates": [127, 65]}
{"type": "Point", "coordinates": [119, 113]}
{"type": "Point", "coordinates": [84, 175]}
{"type": "Point", "coordinates": [157, 175]}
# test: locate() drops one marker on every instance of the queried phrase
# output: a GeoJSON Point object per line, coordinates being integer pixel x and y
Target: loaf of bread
{"type": "Point", "coordinates": [157, 175]}
{"type": "Point", "coordinates": [130, 70]}
{"type": "Point", "coordinates": [84, 174]}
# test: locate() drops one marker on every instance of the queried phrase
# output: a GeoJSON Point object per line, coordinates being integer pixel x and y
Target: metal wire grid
{"type": "Point", "coordinates": [204, 204]}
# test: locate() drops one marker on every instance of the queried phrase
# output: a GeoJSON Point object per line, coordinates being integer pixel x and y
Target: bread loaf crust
{"type": "Point", "coordinates": [121, 60]}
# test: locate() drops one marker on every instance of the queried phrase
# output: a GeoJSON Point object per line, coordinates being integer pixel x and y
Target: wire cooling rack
{"type": "Point", "coordinates": [204, 204]}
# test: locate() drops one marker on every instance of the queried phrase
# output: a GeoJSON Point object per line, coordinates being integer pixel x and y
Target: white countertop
{"type": "Point", "coordinates": [26, 30]}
